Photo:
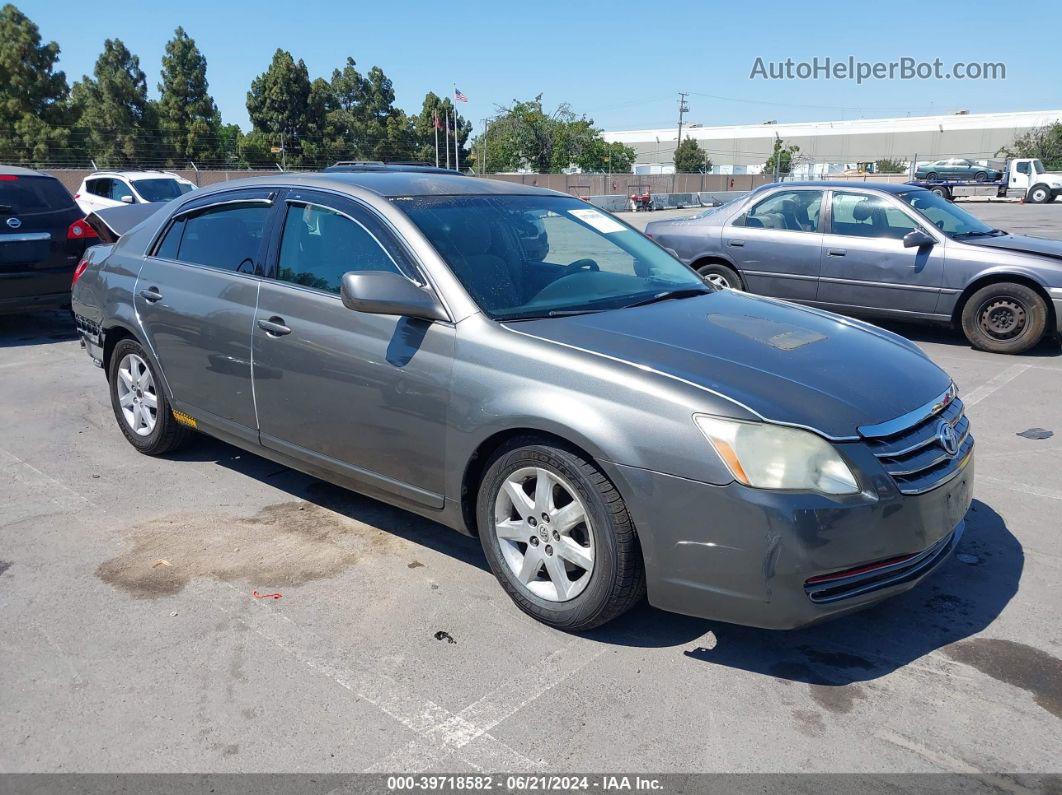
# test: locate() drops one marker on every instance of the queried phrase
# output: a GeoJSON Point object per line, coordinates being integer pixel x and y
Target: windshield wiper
{"type": "Point", "coordinates": [552, 313]}
{"type": "Point", "coordinates": [667, 295]}
{"type": "Point", "coordinates": [989, 233]}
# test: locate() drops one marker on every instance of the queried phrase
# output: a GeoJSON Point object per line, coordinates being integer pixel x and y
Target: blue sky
{"type": "Point", "coordinates": [620, 62]}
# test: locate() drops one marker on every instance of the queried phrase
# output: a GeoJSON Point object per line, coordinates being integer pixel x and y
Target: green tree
{"type": "Point", "coordinates": [689, 157]}
{"type": "Point", "coordinates": [783, 156]}
{"type": "Point", "coordinates": [116, 123]}
{"type": "Point", "coordinates": [423, 127]}
{"type": "Point", "coordinates": [188, 118]}
{"type": "Point", "coordinates": [601, 156]}
{"type": "Point", "coordinates": [889, 166]}
{"type": "Point", "coordinates": [279, 104]}
{"type": "Point", "coordinates": [1044, 142]}
{"type": "Point", "coordinates": [32, 93]}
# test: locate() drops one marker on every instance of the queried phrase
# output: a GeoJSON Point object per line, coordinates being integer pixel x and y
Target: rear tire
{"type": "Point", "coordinates": [139, 401]}
{"type": "Point", "coordinates": [1004, 318]}
{"type": "Point", "coordinates": [719, 275]}
{"type": "Point", "coordinates": [546, 572]}
{"type": "Point", "coordinates": [932, 176]}
{"type": "Point", "coordinates": [980, 176]}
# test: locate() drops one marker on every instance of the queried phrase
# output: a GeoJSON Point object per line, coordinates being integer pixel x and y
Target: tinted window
{"type": "Point", "coordinates": [794, 210]}
{"type": "Point", "coordinates": [1023, 168]}
{"type": "Point", "coordinates": [28, 195]}
{"type": "Point", "coordinates": [225, 237]}
{"type": "Point", "coordinates": [319, 245]}
{"type": "Point", "coordinates": [99, 187]}
{"type": "Point", "coordinates": [171, 242]}
{"type": "Point", "coordinates": [160, 190]}
{"type": "Point", "coordinates": [861, 215]}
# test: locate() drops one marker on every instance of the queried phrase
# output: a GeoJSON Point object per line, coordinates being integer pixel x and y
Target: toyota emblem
{"type": "Point", "coordinates": [949, 439]}
{"type": "Point", "coordinates": [14, 223]}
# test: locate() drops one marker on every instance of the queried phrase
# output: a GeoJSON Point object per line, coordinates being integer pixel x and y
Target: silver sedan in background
{"type": "Point", "coordinates": [878, 250]}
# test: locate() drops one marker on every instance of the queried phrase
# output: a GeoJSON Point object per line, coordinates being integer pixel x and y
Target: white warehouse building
{"type": "Point", "coordinates": [830, 147]}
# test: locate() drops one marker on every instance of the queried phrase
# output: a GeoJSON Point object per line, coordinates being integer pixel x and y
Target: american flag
{"type": "Point", "coordinates": [459, 96]}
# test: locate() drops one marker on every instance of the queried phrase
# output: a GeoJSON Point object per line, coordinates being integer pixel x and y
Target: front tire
{"type": "Point", "coordinates": [558, 537]}
{"type": "Point", "coordinates": [139, 401]}
{"type": "Point", "coordinates": [1004, 318]}
{"type": "Point", "coordinates": [980, 176]}
{"type": "Point", "coordinates": [719, 275]}
{"type": "Point", "coordinates": [1039, 194]}
{"type": "Point", "coordinates": [932, 176]}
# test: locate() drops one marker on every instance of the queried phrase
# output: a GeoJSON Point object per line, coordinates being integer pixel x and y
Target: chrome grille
{"type": "Point", "coordinates": [911, 451]}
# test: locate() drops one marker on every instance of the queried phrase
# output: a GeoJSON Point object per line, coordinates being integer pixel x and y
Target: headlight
{"type": "Point", "coordinates": [770, 456]}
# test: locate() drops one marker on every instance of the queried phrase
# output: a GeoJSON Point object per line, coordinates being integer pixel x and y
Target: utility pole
{"type": "Point", "coordinates": [683, 108]}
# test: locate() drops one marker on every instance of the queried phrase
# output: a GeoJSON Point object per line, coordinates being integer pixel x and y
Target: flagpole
{"type": "Point", "coordinates": [457, 156]}
{"type": "Point", "coordinates": [446, 134]}
{"type": "Point", "coordinates": [435, 124]}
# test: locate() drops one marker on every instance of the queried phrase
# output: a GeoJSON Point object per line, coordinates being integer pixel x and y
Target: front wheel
{"type": "Point", "coordinates": [720, 275]}
{"type": "Point", "coordinates": [980, 176]}
{"type": "Point", "coordinates": [140, 403]}
{"type": "Point", "coordinates": [932, 176]}
{"type": "Point", "coordinates": [558, 537]}
{"type": "Point", "coordinates": [1039, 194]}
{"type": "Point", "coordinates": [1004, 318]}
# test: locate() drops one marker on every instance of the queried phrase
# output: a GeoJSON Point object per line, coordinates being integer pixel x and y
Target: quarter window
{"type": "Point", "coordinates": [320, 245]}
{"type": "Point", "coordinates": [793, 210]}
{"type": "Point", "coordinates": [226, 237]}
{"type": "Point", "coordinates": [863, 215]}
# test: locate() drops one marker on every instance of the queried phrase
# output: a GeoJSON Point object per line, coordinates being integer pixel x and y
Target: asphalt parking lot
{"type": "Point", "coordinates": [134, 638]}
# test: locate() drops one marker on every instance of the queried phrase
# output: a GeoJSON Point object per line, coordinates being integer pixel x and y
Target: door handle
{"type": "Point", "coordinates": [151, 294]}
{"type": "Point", "coordinates": [274, 327]}
{"type": "Point", "coordinates": [736, 243]}
{"type": "Point", "coordinates": [835, 252]}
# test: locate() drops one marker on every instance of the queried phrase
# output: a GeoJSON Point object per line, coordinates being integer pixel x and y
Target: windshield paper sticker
{"type": "Point", "coordinates": [598, 220]}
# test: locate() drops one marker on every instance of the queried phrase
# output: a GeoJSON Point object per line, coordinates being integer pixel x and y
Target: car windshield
{"type": "Point", "coordinates": [544, 256]}
{"type": "Point", "coordinates": [949, 219]}
{"type": "Point", "coordinates": [160, 189]}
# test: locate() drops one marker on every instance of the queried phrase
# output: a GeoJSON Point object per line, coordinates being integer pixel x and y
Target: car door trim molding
{"type": "Point", "coordinates": [889, 285]}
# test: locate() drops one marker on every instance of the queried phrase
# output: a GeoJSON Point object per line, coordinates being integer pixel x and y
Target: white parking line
{"type": "Point", "coordinates": [1023, 488]}
{"type": "Point", "coordinates": [57, 483]}
{"type": "Point", "coordinates": [437, 728]}
{"type": "Point", "coordinates": [994, 383]}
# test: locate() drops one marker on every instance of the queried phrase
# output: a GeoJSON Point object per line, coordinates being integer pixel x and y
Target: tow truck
{"type": "Point", "coordinates": [1024, 176]}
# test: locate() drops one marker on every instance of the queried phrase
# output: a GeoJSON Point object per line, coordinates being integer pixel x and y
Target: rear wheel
{"type": "Point", "coordinates": [1004, 318]}
{"type": "Point", "coordinates": [139, 402]}
{"type": "Point", "coordinates": [719, 275]}
{"type": "Point", "coordinates": [1039, 194]}
{"type": "Point", "coordinates": [932, 176]}
{"type": "Point", "coordinates": [558, 537]}
{"type": "Point", "coordinates": [980, 176]}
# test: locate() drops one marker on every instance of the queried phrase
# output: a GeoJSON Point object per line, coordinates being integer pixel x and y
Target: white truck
{"type": "Point", "coordinates": [1024, 176]}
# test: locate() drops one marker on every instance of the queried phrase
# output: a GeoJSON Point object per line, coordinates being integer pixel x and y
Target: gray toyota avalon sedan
{"type": "Point", "coordinates": [518, 365]}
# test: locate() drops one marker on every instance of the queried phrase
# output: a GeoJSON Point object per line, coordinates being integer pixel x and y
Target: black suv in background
{"type": "Point", "coordinates": [42, 236]}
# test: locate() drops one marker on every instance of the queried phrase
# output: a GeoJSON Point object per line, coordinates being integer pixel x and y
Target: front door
{"type": "Point", "coordinates": [776, 244]}
{"type": "Point", "coordinates": [362, 396]}
{"type": "Point", "coordinates": [196, 297]}
{"type": "Point", "coordinates": [865, 264]}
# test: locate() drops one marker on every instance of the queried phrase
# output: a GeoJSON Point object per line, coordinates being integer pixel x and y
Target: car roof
{"type": "Point", "coordinates": [391, 183]}
{"type": "Point", "coordinates": [885, 187]}
{"type": "Point", "coordinates": [18, 171]}
{"type": "Point", "coordinates": [133, 174]}
{"type": "Point", "coordinates": [361, 168]}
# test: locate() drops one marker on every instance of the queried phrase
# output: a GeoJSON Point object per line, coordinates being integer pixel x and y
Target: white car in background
{"type": "Point", "coordinates": [105, 189]}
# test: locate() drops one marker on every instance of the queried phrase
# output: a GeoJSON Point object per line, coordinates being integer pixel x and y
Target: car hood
{"type": "Point", "coordinates": [1025, 243]}
{"type": "Point", "coordinates": [786, 363]}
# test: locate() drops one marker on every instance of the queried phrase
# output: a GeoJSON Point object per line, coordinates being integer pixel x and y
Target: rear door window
{"type": "Point", "coordinates": [227, 237]}
{"type": "Point", "coordinates": [22, 195]}
{"type": "Point", "coordinates": [793, 210]}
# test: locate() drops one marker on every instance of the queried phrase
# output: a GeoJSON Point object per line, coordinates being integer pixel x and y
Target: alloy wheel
{"type": "Point", "coordinates": [718, 280]}
{"type": "Point", "coordinates": [545, 534]}
{"type": "Point", "coordinates": [136, 395]}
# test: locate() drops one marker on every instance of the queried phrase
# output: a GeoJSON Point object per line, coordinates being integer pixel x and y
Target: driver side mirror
{"type": "Point", "coordinates": [917, 238]}
{"type": "Point", "coordinates": [127, 199]}
{"type": "Point", "coordinates": [387, 293]}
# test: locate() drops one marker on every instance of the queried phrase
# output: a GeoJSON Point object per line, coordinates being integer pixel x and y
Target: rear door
{"type": "Point", "coordinates": [196, 296]}
{"type": "Point", "coordinates": [363, 396]}
{"type": "Point", "coordinates": [865, 264]}
{"type": "Point", "coordinates": [36, 259]}
{"type": "Point", "coordinates": [776, 243]}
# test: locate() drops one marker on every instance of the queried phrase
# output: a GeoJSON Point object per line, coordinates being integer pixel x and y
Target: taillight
{"type": "Point", "coordinates": [81, 266]}
{"type": "Point", "coordinates": [79, 229]}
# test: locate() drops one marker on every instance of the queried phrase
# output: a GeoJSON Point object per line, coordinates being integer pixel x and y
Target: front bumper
{"type": "Point", "coordinates": [781, 560]}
